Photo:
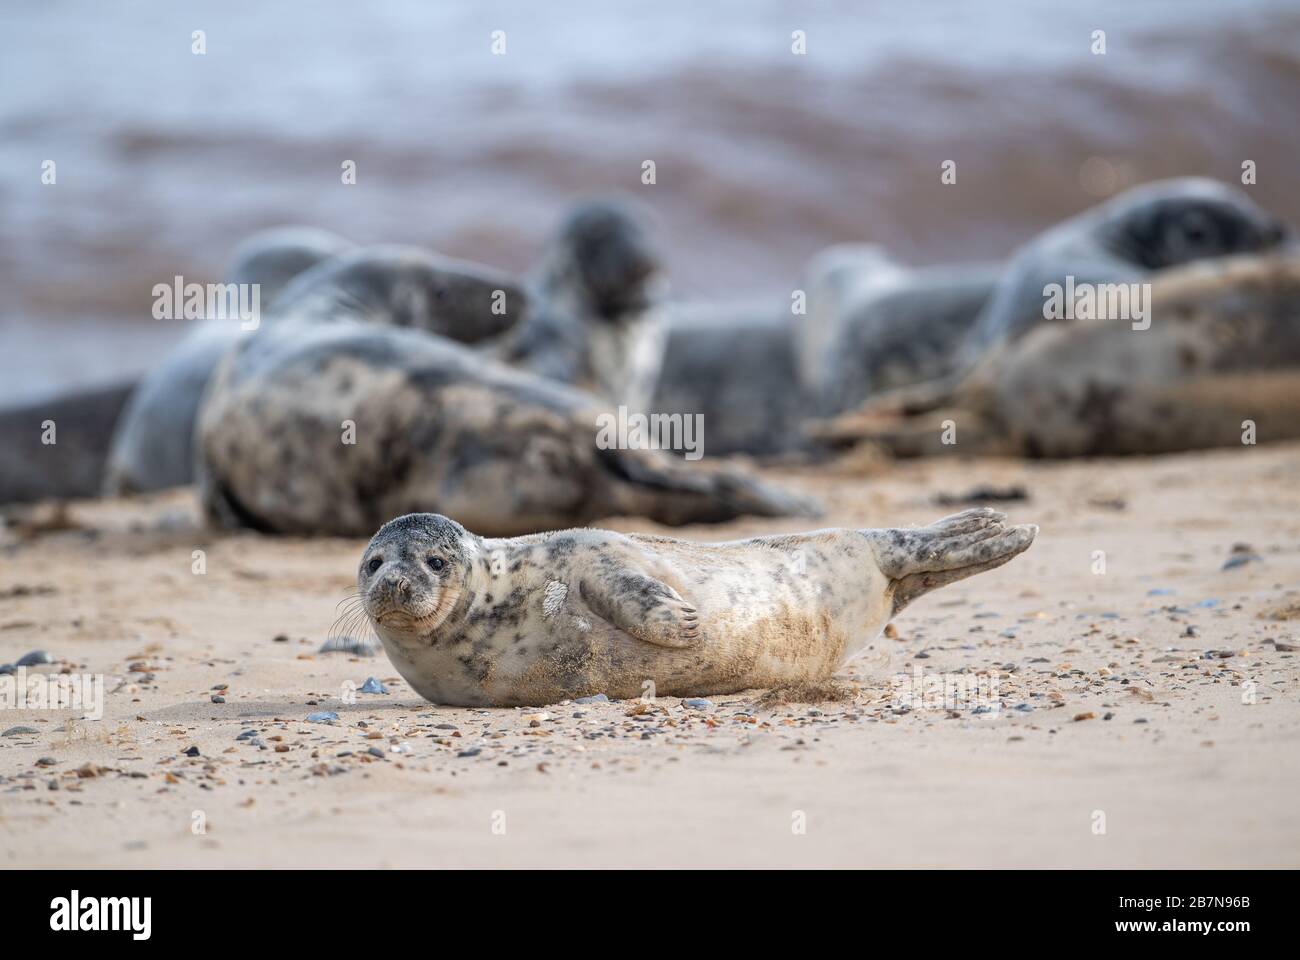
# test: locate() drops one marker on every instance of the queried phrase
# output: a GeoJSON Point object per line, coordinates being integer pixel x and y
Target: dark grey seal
{"type": "Point", "coordinates": [592, 288]}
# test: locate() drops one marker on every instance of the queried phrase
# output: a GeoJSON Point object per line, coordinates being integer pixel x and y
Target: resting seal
{"type": "Point", "coordinates": [151, 446]}
{"type": "Point", "coordinates": [905, 330]}
{"type": "Point", "coordinates": [590, 294]}
{"type": "Point", "coordinates": [435, 426]}
{"type": "Point", "coordinates": [734, 365]}
{"type": "Point", "coordinates": [392, 285]}
{"type": "Point", "coordinates": [744, 366]}
{"type": "Point", "coordinates": [470, 621]}
{"type": "Point", "coordinates": [1223, 348]}
{"type": "Point", "coordinates": [74, 465]}
{"type": "Point", "coordinates": [1131, 238]}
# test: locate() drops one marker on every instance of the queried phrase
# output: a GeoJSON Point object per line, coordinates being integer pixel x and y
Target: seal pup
{"type": "Point", "coordinates": [1219, 366]}
{"type": "Point", "coordinates": [591, 293]}
{"type": "Point", "coordinates": [393, 285]}
{"type": "Point", "coordinates": [1129, 239]}
{"type": "Point", "coordinates": [472, 621]}
{"type": "Point", "coordinates": [327, 428]}
{"type": "Point", "coordinates": [151, 446]}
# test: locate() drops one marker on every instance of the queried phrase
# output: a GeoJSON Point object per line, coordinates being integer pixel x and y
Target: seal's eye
{"type": "Point", "coordinates": [435, 563]}
{"type": "Point", "coordinates": [375, 563]}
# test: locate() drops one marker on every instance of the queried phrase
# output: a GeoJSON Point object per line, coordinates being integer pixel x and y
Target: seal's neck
{"type": "Point", "coordinates": [477, 582]}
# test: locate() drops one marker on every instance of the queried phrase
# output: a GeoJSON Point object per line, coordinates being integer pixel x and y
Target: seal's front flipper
{"type": "Point", "coordinates": [643, 607]}
{"type": "Point", "coordinates": [951, 549]}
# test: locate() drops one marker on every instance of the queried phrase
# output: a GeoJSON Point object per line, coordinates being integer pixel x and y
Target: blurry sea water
{"type": "Point", "coordinates": [166, 159]}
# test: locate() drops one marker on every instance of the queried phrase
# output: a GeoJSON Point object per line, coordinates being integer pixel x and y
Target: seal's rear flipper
{"type": "Point", "coordinates": [951, 549]}
{"type": "Point", "coordinates": [669, 491]}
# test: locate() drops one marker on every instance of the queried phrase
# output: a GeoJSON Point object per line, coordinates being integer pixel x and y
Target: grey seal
{"type": "Point", "coordinates": [74, 465]}
{"type": "Point", "coordinates": [732, 364]}
{"type": "Point", "coordinates": [151, 446]}
{"type": "Point", "coordinates": [745, 367]}
{"type": "Point", "coordinates": [1219, 366]}
{"type": "Point", "coordinates": [474, 621]}
{"type": "Point", "coordinates": [903, 331]}
{"type": "Point", "coordinates": [387, 284]}
{"type": "Point", "coordinates": [1149, 228]}
{"type": "Point", "coordinates": [434, 425]}
{"type": "Point", "coordinates": [1129, 239]}
{"type": "Point", "coordinates": [600, 274]}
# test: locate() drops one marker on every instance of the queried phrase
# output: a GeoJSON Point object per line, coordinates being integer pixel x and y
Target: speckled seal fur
{"type": "Point", "coordinates": [1132, 238]}
{"type": "Point", "coordinates": [437, 426]}
{"type": "Point", "coordinates": [151, 446]}
{"type": "Point", "coordinates": [1223, 349]}
{"type": "Point", "coordinates": [471, 621]}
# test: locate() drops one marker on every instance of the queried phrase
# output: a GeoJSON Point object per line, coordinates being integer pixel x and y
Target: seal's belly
{"type": "Point", "coordinates": [778, 640]}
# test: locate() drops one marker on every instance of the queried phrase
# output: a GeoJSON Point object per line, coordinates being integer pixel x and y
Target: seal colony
{"type": "Point", "coordinates": [1130, 239]}
{"type": "Point", "coordinates": [1218, 366]}
{"type": "Point", "coordinates": [469, 621]}
{"type": "Point", "coordinates": [878, 336]}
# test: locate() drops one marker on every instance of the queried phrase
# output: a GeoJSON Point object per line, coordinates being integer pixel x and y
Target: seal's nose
{"type": "Point", "coordinates": [396, 587]}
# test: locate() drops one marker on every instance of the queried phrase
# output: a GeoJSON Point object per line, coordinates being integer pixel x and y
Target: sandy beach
{"type": "Point", "coordinates": [1144, 716]}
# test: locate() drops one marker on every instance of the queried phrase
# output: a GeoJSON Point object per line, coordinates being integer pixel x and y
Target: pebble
{"type": "Point", "coordinates": [372, 686]}
{"type": "Point", "coordinates": [353, 645]}
{"type": "Point", "coordinates": [698, 703]}
{"type": "Point", "coordinates": [247, 734]}
{"type": "Point", "coordinates": [471, 752]}
{"type": "Point", "coordinates": [322, 716]}
{"type": "Point", "coordinates": [33, 658]}
{"type": "Point", "coordinates": [217, 698]}
{"type": "Point", "coordinates": [18, 732]}
{"type": "Point", "coordinates": [192, 752]}
{"type": "Point", "coordinates": [1242, 554]}
{"type": "Point", "coordinates": [376, 752]}
{"type": "Point", "coordinates": [594, 698]}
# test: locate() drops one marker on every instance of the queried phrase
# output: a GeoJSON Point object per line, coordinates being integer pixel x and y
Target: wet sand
{"type": "Point", "coordinates": [1121, 693]}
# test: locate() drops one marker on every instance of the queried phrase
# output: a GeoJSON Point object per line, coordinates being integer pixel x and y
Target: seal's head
{"type": "Point", "coordinates": [272, 258]}
{"type": "Point", "coordinates": [409, 287]}
{"type": "Point", "coordinates": [414, 572]}
{"type": "Point", "coordinates": [605, 248]}
{"type": "Point", "coordinates": [1174, 222]}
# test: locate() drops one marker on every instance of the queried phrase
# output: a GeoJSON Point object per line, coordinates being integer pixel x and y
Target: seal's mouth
{"type": "Point", "coordinates": [417, 618]}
